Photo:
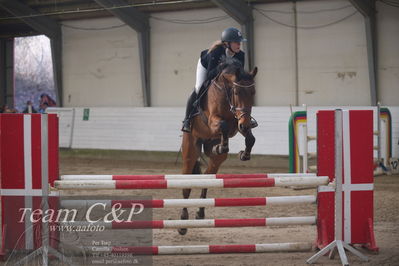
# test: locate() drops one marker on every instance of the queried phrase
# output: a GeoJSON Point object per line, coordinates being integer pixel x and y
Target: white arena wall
{"type": "Point", "coordinates": [101, 67]}
{"type": "Point", "coordinates": [158, 128]}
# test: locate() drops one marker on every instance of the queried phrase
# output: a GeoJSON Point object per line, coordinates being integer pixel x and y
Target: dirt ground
{"type": "Point", "coordinates": [386, 213]}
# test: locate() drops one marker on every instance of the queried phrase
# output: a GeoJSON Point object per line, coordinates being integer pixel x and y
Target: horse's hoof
{"type": "Point", "coordinates": [182, 231]}
{"type": "Point", "coordinates": [225, 149]}
{"type": "Point", "coordinates": [183, 216]}
{"type": "Point", "coordinates": [244, 156]}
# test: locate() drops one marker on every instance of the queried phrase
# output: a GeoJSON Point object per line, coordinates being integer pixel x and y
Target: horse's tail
{"type": "Point", "coordinates": [197, 168]}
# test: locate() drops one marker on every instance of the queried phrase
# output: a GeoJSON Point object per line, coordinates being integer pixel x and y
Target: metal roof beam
{"type": "Point", "coordinates": [41, 24]}
{"type": "Point", "coordinates": [137, 20]}
{"type": "Point", "coordinates": [237, 9]}
{"type": "Point", "coordinates": [363, 6]}
{"type": "Point", "coordinates": [241, 12]}
{"type": "Point", "coordinates": [140, 22]}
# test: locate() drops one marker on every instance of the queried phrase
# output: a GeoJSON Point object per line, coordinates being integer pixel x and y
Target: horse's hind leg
{"type": "Point", "coordinates": [213, 166]}
{"type": "Point", "coordinates": [190, 155]}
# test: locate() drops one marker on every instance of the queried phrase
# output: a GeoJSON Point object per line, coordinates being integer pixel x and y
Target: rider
{"type": "Point", "coordinates": [228, 46]}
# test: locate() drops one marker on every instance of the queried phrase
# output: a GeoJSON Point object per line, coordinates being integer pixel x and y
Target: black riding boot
{"type": "Point", "coordinates": [189, 112]}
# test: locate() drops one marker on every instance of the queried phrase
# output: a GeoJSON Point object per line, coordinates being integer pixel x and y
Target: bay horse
{"type": "Point", "coordinates": [225, 111]}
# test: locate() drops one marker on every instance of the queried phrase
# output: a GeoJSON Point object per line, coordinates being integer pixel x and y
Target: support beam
{"type": "Point", "coordinates": [372, 56]}
{"type": "Point", "coordinates": [41, 24]}
{"type": "Point", "coordinates": [364, 6]}
{"type": "Point", "coordinates": [56, 55]}
{"type": "Point", "coordinates": [7, 72]}
{"type": "Point", "coordinates": [241, 12]}
{"type": "Point", "coordinates": [367, 9]}
{"type": "Point", "coordinates": [144, 47]}
{"type": "Point", "coordinates": [46, 26]}
{"type": "Point", "coordinates": [140, 22]}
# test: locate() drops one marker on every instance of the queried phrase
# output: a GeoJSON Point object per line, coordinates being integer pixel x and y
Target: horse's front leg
{"type": "Point", "coordinates": [220, 127]}
{"type": "Point", "coordinates": [190, 154]}
{"type": "Point", "coordinates": [249, 143]}
{"type": "Point", "coordinates": [201, 210]}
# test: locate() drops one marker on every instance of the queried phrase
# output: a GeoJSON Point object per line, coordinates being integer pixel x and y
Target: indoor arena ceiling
{"type": "Point", "coordinates": [13, 11]}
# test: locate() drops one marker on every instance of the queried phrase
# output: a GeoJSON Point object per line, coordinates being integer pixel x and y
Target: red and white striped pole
{"type": "Point", "coordinates": [167, 177]}
{"type": "Point", "coordinates": [206, 223]}
{"type": "Point", "coordinates": [170, 203]}
{"type": "Point", "coordinates": [198, 183]}
{"type": "Point", "coordinates": [202, 249]}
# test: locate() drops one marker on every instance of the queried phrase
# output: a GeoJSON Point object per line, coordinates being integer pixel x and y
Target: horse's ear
{"type": "Point", "coordinates": [254, 72]}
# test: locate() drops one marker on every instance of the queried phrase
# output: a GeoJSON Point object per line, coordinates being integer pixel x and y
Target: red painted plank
{"type": "Point", "coordinates": [250, 182]}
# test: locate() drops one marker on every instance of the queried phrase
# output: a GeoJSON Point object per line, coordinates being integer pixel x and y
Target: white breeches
{"type": "Point", "coordinates": [200, 77]}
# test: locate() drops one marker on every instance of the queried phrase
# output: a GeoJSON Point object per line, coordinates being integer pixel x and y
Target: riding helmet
{"type": "Point", "coordinates": [232, 35]}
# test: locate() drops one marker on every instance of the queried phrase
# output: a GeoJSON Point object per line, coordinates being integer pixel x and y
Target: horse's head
{"type": "Point", "coordinates": [241, 95]}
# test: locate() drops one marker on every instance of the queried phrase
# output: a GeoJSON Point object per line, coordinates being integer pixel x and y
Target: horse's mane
{"type": "Point", "coordinates": [231, 65]}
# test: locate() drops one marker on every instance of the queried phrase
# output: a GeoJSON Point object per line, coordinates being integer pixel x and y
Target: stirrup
{"type": "Point", "coordinates": [253, 123]}
{"type": "Point", "coordinates": [186, 126]}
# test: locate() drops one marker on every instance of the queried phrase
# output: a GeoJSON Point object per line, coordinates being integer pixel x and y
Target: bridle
{"type": "Point", "coordinates": [230, 99]}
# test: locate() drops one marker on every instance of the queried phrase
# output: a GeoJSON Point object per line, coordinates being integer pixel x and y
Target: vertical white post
{"type": "Point", "coordinates": [379, 132]}
{"type": "Point", "coordinates": [44, 141]}
{"type": "Point", "coordinates": [305, 142]}
{"type": "Point", "coordinates": [305, 148]}
{"type": "Point", "coordinates": [338, 174]}
{"type": "Point", "coordinates": [28, 180]}
{"type": "Point", "coordinates": [72, 129]}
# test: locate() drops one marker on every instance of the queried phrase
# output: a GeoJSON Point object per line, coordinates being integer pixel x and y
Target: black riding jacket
{"type": "Point", "coordinates": [213, 59]}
